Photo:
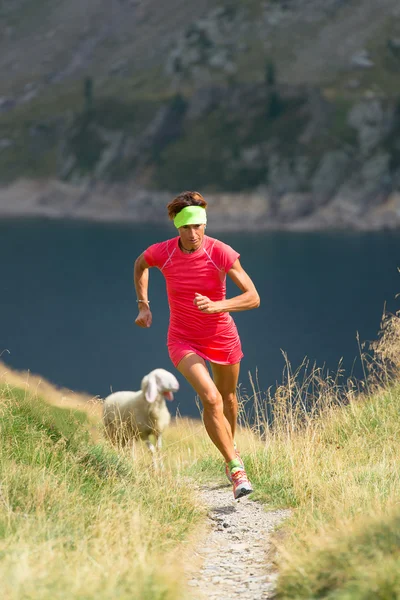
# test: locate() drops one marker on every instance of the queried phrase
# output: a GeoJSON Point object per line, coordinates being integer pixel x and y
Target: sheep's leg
{"type": "Point", "coordinates": [150, 447]}
{"type": "Point", "coordinates": [156, 459]}
{"type": "Point", "coordinates": [152, 450]}
{"type": "Point", "coordinates": [158, 447]}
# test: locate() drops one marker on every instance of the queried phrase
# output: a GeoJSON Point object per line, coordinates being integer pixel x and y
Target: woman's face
{"type": "Point", "coordinates": [191, 236]}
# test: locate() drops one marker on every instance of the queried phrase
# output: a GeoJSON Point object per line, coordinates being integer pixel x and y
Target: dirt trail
{"type": "Point", "coordinates": [234, 555]}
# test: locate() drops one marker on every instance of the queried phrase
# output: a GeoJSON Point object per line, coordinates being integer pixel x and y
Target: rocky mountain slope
{"type": "Point", "coordinates": [290, 105]}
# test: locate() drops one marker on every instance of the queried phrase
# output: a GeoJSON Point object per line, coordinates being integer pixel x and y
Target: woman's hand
{"type": "Point", "coordinates": [204, 304]}
{"type": "Point", "coordinates": [144, 318]}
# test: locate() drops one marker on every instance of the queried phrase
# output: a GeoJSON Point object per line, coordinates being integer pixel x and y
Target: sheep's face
{"type": "Point", "coordinates": [159, 382]}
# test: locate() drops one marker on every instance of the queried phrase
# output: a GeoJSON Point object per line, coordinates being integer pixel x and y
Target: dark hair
{"type": "Point", "coordinates": [185, 199]}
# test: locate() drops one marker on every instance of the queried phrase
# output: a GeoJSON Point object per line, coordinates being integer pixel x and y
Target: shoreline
{"type": "Point", "coordinates": [127, 203]}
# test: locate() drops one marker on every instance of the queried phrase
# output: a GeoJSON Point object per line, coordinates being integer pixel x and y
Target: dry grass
{"type": "Point", "coordinates": [331, 452]}
{"type": "Point", "coordinates": [387, 349]}
{"type": "Point", "coordinates": [80, 520]}
{"type": "Point", "coordinates": [35, 385]}
{"type": "Point", "coordinates": [324, 446]}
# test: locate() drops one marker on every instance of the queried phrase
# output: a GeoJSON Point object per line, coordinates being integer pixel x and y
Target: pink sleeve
{"type": "Point", "coordinates": [226, 256]}
{"type": "Point", "coordinates": [153, 255]}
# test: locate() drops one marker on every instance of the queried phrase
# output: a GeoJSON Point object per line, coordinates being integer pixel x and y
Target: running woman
{"type": "Point", "coordinates": [201, 329]}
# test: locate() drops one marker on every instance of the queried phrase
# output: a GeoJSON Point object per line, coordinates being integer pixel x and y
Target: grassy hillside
{"type": "Point", "coordinates": [339, 469]}
{"type": "Point", "coordinates": [44, 42]}
{"type": "Point", "coordinates": [342, 477]}
{"type": "Point", "coordinates": [79, 519]}
{"type": "Point", "coordinates": [310, 41]}
{"type": "Point", "coordinates": [333, 456]}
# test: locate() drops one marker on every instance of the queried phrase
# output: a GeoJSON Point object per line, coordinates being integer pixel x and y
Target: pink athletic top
{"type": "Point", "coordinates": [214, 336]}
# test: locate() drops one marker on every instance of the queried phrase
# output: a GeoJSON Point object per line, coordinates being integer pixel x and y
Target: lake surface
{"type": "Point", "coordinates": [67, 302]}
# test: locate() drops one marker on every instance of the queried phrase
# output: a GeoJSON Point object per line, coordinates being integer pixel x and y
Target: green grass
{"type": "Point", "coordinates": [82, 520]}
{"type": "Point", "coordinates": [203, 162]}
{"type": "Point", "coordinates": [363, 564]}
{"type": "Point", "coordinates": [205, 154]}
{"type": "Point", "coordinates": [332, 455]}
{"type": "Point", "coordinates": [220, 136]}
{"type": "Point", "coordinates": [77, 519]}
{"type": "Point", "coordinates": [384, 76]}
{"type": "Point", "coordinates": [26, 15]}
{"type": "Point", "coordinates": [39, 129]}
{"type": "Point", "coordinates": [338, 469]}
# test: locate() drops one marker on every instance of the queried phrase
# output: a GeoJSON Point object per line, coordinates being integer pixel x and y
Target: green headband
{"type": "Point", "coordinates": [191, 215]}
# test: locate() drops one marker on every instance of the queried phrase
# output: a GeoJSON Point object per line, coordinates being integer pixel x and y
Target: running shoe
{"type": "Point", "coordinates": [227, 470]}
{"type": "Point", "coordinates": [241, 484]}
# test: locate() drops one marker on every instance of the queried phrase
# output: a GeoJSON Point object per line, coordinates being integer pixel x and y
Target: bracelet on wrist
{"type": "Point", "coordinates": [144, 302]}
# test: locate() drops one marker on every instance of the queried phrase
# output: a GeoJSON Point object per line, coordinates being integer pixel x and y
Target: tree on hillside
{"type": "Point", "coordinates": [178, 105]}
{"type": "Point", "coordinates": [88, 95]}
{"type": "Point", "coordinates": [275, 105]}
{"type": "Point", "coordinates": [270, 73]}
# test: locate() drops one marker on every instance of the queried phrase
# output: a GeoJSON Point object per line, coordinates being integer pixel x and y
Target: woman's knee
{"type": "Point", "coordinates": [229, 399]}
{"type": "Point", "coordinates": [212, 400]}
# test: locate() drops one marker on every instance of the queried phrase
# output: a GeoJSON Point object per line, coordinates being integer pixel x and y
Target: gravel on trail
{"type": "Point", "coordinates": [234, 554]}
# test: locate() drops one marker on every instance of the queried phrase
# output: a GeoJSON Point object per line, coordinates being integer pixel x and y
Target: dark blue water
{"type": "Point", "coordinates": [67, 302]}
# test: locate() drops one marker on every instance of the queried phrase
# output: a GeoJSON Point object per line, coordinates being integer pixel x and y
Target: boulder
{"type": "Point", "coordinates": [238, 211]}
{"type": "Point", "coordinates": [362, 60]}
{"type": "Point", "coordinates": [372, 122]}
{"type": "Point", "coordinates": [295, 206]}
{"type": "Point", "coordinates": [329, 174]}
{"type": "Point", "coordinates": [5, 143]}
{"type": "Point", "coordinates": [361, 193]}
{"type": "Point", "coordinates": [204, 100]}
{"type": "Point", "coordinates": [209, 43]}
{"type": "Point", "coordinates": [287, 175]}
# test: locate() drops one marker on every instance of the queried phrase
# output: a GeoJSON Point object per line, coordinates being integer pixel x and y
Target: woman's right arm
{"type": "Point", "coordinates": [141, 281]}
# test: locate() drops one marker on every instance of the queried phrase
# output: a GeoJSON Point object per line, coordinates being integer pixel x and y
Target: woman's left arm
{"type": "Point", "coordinates": [248, 299]}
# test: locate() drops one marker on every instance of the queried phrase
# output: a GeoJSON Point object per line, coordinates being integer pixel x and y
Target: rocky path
{"type": "Point", "coordinates": [233, 556]}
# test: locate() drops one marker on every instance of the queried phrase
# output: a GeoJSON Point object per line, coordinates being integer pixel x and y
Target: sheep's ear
{"type": "Point", "coordinates": [149, 386]}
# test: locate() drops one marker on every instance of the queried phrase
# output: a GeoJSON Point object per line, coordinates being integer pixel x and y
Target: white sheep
{"type": "Point", "coordinates": [129, 416]}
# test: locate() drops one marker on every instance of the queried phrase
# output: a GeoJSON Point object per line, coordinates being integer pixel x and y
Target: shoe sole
{"type": "Point", "coordinates": [244, 492]}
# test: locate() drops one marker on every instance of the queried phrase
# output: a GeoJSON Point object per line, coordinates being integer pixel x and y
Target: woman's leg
{"type": "Point", "coordinates": [226, 379]}
{"type": "Point", "coordinates": [194, 369]}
